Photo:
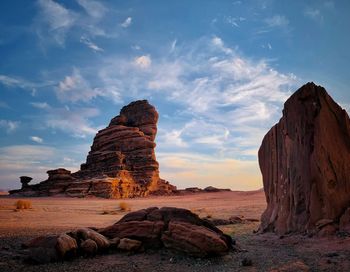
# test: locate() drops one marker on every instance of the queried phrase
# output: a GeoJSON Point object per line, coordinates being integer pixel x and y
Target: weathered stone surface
{"type": "Point", "coordinates": [193, 240]}
{"type": "Point", "coordinates": [120, 164]}
{"type": "Point", "coordinates": [86, 234]}
{"type": "Point", "coordinates": [344, 222]}
{"type": "Point", "coordinates": [147, 232]}
{"type": "Point", "coordinates": [305, 163]}
{"type": "Point", "coordinates": [129, 244]}
{"type": "Point", "coordinates": [152, 227]}
{"type": "Point", "coordinates": [88, 248]}
{"type": "Point", "coordinates": [51, 248]}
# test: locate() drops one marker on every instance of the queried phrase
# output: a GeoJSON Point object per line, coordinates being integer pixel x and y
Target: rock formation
{"type": "Point", "coordinates": [305, 164]}
{"type": "Point", "coordinates": [152, 228]}
{"type": "Point", "coordinates": [121, 163]}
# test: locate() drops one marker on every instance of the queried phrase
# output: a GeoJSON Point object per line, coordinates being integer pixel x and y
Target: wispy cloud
{"type": "Point", "coordinates": [277, 21]}
{"type": "Point", "coordinates": [40, 105]}
{"type": "Point", "coordinates": [94, 47]}
{"type": "Point", "coordinates": [74, 122]}
{"type": "Point", "coordinates": [93, 8]}
{"type": "Point", "coordinates": [143, 61]}
{"type": "Point", "coordinates": [57, 18]}
{"type": "Point", "coordinates": [127, 22]}
{"type": "Point", "coordinates": [9, 126]}
{"type": "Point", "coordinates": [314, 14]}
{"type": "Point", "coordinates": [18, 82]}
{"type": "Point", "coordinates": [74, 88]}
{"type": "Point", "coordinates": [36, 139]}
{"type": "Point", "coordinates": [208, 80]}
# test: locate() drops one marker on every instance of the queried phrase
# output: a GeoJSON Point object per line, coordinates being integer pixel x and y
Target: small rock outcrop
{"type": "Point", "coordinates": [153, 228]}
{"type": "Point", "coordinates": [305, 164]}
{"type": "Point", "coordinates": [121, 163]}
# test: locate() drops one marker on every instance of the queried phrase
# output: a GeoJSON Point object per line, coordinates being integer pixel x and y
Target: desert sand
{"type": "Point", "coordinates": [266, 251]}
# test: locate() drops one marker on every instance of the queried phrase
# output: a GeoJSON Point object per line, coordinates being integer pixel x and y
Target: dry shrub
{"type": "Point", "coordinates": [23, 204]}
{"type": "Point", "coordinates": [123, 206]}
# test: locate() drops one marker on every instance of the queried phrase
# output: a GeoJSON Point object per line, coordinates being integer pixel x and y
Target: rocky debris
{"type": "Point", "coordinates": [51, 248]}
{"type": "Point", "coordinates": [209, 189]}
{"type": "Point", "coordinates": [305, 164]}
{"type": "Point", "coordinates": [175, 228]}
{"type": "Point", "coordinates": [172, 228]}
{"type": "Point", "coordinates": [212, 189]}
{"type": "Point", "coordinates": [120, 164]}
{"type": "Point", "coordinates": [231, 221]}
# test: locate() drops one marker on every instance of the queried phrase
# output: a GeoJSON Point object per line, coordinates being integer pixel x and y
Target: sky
{"type": "Point", "coordinates": [218, 73]}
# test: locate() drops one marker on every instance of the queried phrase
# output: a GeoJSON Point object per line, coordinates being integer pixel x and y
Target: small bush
{"type": "Point", "coordinates": [23, 204]}
{"type": "Point", "coordinates": [123, 206]}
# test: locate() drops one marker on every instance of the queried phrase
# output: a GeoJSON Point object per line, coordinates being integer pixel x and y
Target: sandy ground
{"type": "Point", "coordinates": [267, 252]}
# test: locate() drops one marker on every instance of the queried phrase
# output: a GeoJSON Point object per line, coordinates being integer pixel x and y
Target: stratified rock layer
{"type": "Point", "coordinates": [121, 163]}
{"type": "Point", "coordinates": [305, 164]}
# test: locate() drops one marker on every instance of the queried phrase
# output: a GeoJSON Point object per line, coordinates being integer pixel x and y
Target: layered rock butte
{"type": "Point", "coordinates": [305, 164]}
{"type": "Point", "coordinates": [121, 163]}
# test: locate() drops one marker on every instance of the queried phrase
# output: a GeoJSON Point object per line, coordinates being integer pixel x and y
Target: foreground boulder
{"type": "Point", "coordinates": [51, 248]}
{"type": "Point", "coordinates": [173, 228]}
{"type": "Point", "coordinates": [120, 164]}
{"type": "Point", "coordinates": [305, 164]}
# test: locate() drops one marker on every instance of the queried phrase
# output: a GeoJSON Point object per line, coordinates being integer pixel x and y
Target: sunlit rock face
{"type": "Point", "coordinates": [305, 164]}
{"type": "Point", "coordinates": [121, 163]}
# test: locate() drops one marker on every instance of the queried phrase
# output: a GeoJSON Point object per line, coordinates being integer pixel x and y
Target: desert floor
{"type": "Point", "coordinates": [267, 252]}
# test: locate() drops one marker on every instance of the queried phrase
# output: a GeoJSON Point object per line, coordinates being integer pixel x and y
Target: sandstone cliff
{"type": "Point", "coordinates": [121, 163]}
{"type": "Point", "coordinates": [305, 164]}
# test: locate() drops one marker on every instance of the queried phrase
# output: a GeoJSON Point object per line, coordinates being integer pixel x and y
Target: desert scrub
{"type": "Point", "coordinates": [23, 204]}
{"type": "Point", "coordinates": [123, 206]}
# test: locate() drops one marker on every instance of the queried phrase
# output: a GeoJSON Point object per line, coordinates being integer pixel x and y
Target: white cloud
{"type": "Point", "coordinates": [36, 139]}
{"type": "Point", "coordinates": [40, 105]}
{"type": "Point", "coordinates": [143, 61]}
{"type": "Point", "coordinates": [127, 22]}
{"type": "Point", "coordinates": [277, 21]}
{"type": "Point", "coordinates": [9, 126]}
{"type": "Point", "coordinates": [75, 88]}
{"type": "Point", "coordinates": [229, 101]}
{"type": "Point", "coordinates": [314, 14]}
{"type": "Point", "coordinates": [90, 44]}
{"type": "Point", "coordinates": [93, 8]}
{"type": "Point", "coordinates": [57, 18]}
{"type": "Point", "coordinates": [75, 122]}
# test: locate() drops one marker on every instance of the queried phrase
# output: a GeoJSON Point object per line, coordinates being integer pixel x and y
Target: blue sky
{"type": "Point", "coordinates": [217, 71]}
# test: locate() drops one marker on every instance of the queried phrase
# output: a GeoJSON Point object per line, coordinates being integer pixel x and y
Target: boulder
{"type": "Point", "coordinates": [194, 240]}
{"type": "Point", "coordinates": [89, 248]}
{"type": "Point", "coordinates": [154, 227]}
{"type": "Point", "coordinates": [147, 232]}
{"type": "Point", "coordinates": [86, 234]}
{"type": "Point", "coordinates": [305, 163]}
{"type": "Point", "coordinates": [51, 248]}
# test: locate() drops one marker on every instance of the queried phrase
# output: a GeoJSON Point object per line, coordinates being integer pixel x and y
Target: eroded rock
{"type": "Point", "coordinates": [120, 164]}
{"type": "Point", "coordinates": [305, 163]}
